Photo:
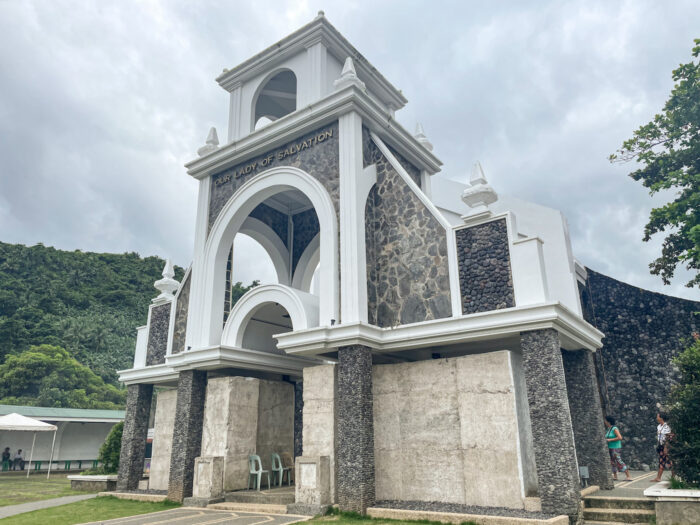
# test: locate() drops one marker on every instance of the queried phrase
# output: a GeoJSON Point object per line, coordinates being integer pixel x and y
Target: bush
{"type": "Point", "coordinates": [684, 416]}
{"type": "Point", "coordinates": [110, 449]}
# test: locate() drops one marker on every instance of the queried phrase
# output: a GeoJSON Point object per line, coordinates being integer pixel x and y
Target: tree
{"type": "Point", "coordinates": [684, 416]}
{"type": "Point", "coordinates": [110, 449]}
{"type": "Point", "coordinates": [668, 148]}
{"type": "Point", "coordinates": [48, 376]}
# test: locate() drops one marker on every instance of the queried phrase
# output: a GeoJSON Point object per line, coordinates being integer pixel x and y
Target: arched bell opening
{"type": "Point", "coordinates": [276, 98]}
{"type": "Point", "coordinates": [269, 319]}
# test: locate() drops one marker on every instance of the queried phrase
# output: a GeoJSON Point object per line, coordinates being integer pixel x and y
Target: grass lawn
{"type": "Point", "coordinates": [103, 508]}
{"type": "Point", "coordinates": [16, 488]}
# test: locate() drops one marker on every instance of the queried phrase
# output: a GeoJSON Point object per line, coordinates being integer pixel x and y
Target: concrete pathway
{"type": "Point", "coordinates": [632, 489]}
{"type": "Point", "coordinates": [11, 510]}
{"type": "Point", "coordinates": [198, 516]}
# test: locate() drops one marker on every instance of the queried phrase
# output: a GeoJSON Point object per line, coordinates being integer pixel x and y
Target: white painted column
{"type": "Point", "coordinates": [234, 114]}
{"type": "Point", "coordinates": [354, 186]}
{"type": "Point", "coordinates": [198, 289]}
{"type": "Point", "coordinates": [315, 83]}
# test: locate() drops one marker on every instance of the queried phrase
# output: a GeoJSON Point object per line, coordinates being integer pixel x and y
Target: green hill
{"type": "Point", "coordinates": [88, 303]}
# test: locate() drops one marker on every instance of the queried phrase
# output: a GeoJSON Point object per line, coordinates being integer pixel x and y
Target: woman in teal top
{"type": "Point", "coordinates": [614, 439]}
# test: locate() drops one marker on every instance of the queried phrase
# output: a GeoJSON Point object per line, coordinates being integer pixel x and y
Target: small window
{"type": "Point", "coordinates": [277, 98]}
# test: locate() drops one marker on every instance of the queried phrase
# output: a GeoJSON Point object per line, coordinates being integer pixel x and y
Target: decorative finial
{"type": "Point", "coordinates": [479, 195]}
{"type": "Point", "coordinates": [348, 77]}
{"type": "Point", "coordinates": [320, 14]}
{"type": "Point", "coordinates": [212, 143]}
{"type": "Point", "coordinates": [167, 285]}
{"type": "Point", "coordinates": [420, 137]}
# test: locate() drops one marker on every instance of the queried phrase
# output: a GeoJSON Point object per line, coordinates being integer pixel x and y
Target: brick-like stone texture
{"type": "Point", "coordinates": [275, 219]}
{"type": "Point", "coordinates": [406, 247]}
{"type": "Point", "coordinates": [306, 227]}
{"type": "Point", "coordinates": [485, 278]}
{"type": "Point", "coordinates": [181, 307]}
{"type": "Point", "coordinates": [298, 419]}
{"type": "Point", "coordinates": [320, 160]}
{"type": "Point", "coordinates": [643, 332]}
{"type": "Point", "coordinates": [355, 429]}
{"type": "Point", "coordinates": [552, 435]}
{"type": "Point", "coordinates": [187, 438]}
{"type": "Point", "coordinates": [138, 410]}
{"type": "Point", "coordinates": [158, 334]}
{"type": "Point", "coordinates": [587, 416]}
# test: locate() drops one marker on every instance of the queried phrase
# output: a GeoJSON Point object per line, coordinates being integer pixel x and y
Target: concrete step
{"type": "Point", "coordinates": [618, 515]}
{"type": "Point", "coordinates": [261, 508]}
{"type": "Point", "coordinates": [609, 502]}
{"type": "Point", "coordinates": [589, 522]}
{"type": "Point", "coordinates": [262, 497]}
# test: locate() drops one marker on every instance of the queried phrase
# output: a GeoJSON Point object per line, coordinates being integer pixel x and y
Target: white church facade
{"type": "Point", "coordinates": [425, 339]}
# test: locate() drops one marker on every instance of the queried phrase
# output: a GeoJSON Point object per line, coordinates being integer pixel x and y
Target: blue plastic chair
{"type": "Point", "coordinates": [256, 472]}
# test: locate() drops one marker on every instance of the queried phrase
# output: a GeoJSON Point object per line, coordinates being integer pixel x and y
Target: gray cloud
{"type": "Point", "coordinates": [101, 103]}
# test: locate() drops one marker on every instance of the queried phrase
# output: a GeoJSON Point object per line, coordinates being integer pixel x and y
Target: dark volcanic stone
{"type": "Point", "coordinates": [181, 307]}
{"type": "Point", "coordinates": [187, 434]}
{"type": "Point", "coordinates": [484, 267]}
{"type": "Point", "coordinates": [354, 453]}
{"type": "Point", "coordinates": [587, 416]}
{"type": "Point", "coordinates": [138, 410]}
{"type": "Point", "coordinates": [406, 250]}
{"type": "Point", "coordinates": [438, 506]}
{"type": "Point", "coordinates": [552, 435]}
{"type": "Point", "coordinates": [643, 332]}
{"type": "Point", "coordinates": [298, 418]}
{"type": "Point", "coordinates": [158, 334]}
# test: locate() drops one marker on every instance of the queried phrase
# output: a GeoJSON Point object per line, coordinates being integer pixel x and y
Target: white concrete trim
{"type": "Point", "coordinates": [663, 492]}
{"type": "Point", "coordinates": [261, 86]}
{"type": "Point", "coordinates": [306, 265]}
{"type": "Point", "coordinates": [309, 118]}
{"type": "Point", "coordinates": [574, 332]}
{"type": "Point", "coordinates": [207, 294]}
{"type": "Point", "coordinates": [234, 112]}
{"type": "Point", "coordinates": [302, 308]}
{"type": "Point", "coordinates": [149, 374]}
{"type": "Point", "coordinates": [141, 346]}
{"type": "Point", "coordinates": [273, 245]}
{"type": "Point", "coordinates": [452, 261]}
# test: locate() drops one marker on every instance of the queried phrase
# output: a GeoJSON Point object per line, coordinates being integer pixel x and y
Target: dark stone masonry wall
{"type": "Point", "coordinates": [298, 418]}
{"type": "Point", "coordinates": [138, 409]}
{"type": "Point", "coordinates": [278, 221]}
{"type": "Point", "coordinates": [187, 434]}
{"type": "Point", "coordinates": [158, 334]}
{"type": "Point", "coordinates": [406, 248]}
{"type": "Point", "coordinates": [643, 331]}
{"type": "Point", "coordinates": [306, 227]}
{"type": "Point", "coordinates": [355, 429]}
{"type": "Point", "coordinates": [485, 278]}
{"type": "Point", "coordinates": [320, 160]}
{"type": "Point", "coordinates": [180, 325]}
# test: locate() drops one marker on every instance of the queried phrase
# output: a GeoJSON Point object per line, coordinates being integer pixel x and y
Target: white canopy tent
{"type": "Point", "coordinates": [20, 423]}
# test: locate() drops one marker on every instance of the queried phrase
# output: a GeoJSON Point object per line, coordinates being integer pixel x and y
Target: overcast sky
{"type": "Point", "coordinates": [102, 102]}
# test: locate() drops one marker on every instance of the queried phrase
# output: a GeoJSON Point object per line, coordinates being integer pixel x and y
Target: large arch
{"type": "Point", "coordinates": [304, 272]}
{"type": "Point", "coordinates": [207, 301]}
{"type": "Point", "coordinates": [273, 245]}
{"type": "Point", "coordinates": [302, 308]}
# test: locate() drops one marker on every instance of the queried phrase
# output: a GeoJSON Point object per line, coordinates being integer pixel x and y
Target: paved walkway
{"type": "Point", "coordinates": [632, 489]}
{"type": "Point", "coordinates": [197, 516]}
{"type": "Point", "coordinates": [11, 510]}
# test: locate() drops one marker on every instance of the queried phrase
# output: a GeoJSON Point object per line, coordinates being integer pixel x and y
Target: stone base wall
{"type": "Point", "coordinates": [447, 430]}
{"type": "Point", "coordinates": [162, 439]}
{"type": "Point", "coordinates": [243, 416]}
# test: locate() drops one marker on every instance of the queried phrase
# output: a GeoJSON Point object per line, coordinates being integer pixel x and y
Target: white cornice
{"type": "Point", "coordinates": [575, 333]}
{"type": "Point", "coordinates": [148, 374]}
{"type": "Point", "coordinates": [312, 117]}
{"type": "Point", "coordinates": [317, 30]}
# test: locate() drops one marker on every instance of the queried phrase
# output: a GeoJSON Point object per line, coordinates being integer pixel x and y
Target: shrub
{"type": "Point", "coordinates": [684, 416]}
{"type": "Point", "coordinates": [110, 449]}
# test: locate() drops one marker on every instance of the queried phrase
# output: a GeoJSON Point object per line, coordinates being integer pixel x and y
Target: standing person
{"type": "Point", "coordinates": [6, 458]}
{"type": "Point", "coordinates": [19, 461]}
{"type": "Point", "coordinates": [663, 433]}
{"type": "Point", "coordinates": [614, 439]}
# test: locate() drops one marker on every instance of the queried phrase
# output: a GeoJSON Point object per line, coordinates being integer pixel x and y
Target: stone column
{"type": "Point", "coordinates": [552, 434]}
{"type": "Point", "coordinates": [355, 429]}
{"type": "Point", "coordinates": [187, 437]}
{"type": "Point", "coordinates": [138, 409]}
{"type": "Point", "coordinates": [587, 416]}
{"type": "Point", "coordinates": [298, 419]}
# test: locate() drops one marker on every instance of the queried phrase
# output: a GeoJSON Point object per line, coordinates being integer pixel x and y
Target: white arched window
{"type": "Point", "coordinates": [276, 98]}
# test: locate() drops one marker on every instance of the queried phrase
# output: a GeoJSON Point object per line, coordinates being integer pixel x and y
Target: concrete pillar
{"type": "Point", "coordinates": [138, 409]}
{"type": "Point", "coordinates": [298, 418]}
{"type": "Point", "coordinates": [187, 437]}
{"type": "Point", "coordinates": [355, 429]}
{"type": "Point", "coordinates": [552, 433]}
{"type": "Point", "coordinates": [587, 417]}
